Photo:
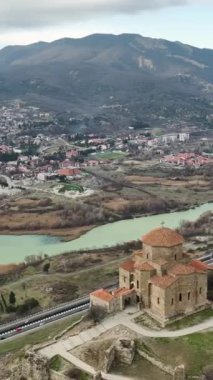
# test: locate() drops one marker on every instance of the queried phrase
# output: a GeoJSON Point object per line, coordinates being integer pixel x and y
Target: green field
{"type": "Point", "coordinates": [108, 156]}
{"type": "Point", "coordinates": [194, 351]}
{"type": "Point", "coordinates": [71, 187]}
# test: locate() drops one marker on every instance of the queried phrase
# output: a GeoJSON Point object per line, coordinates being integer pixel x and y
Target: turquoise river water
{"type": "Point", "coordinates": [13, 249]}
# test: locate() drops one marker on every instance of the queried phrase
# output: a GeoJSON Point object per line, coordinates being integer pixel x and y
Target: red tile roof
{"type": "Point", "coordinates": [163, 281]}
{"type": "Point", "coordinates": [162, 237]}
{"type": "Point", "coordinates": [68, 171]}
{"type": "Point", "coordinates": [104, 295]}
{"type": "Point", "coordinates": [128, 265]}
{"type": "Point", "coordinates": [122, 292]}
{"type": "Point", "coordinates": [144, 267]}
{"type": "Point", "coordinates": [198, 265]}
{"type": "Point", "coordinates": [182, 269]}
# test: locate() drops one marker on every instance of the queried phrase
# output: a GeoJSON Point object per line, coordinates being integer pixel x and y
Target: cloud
{"type": "Point", "coordinates": [26, 14]}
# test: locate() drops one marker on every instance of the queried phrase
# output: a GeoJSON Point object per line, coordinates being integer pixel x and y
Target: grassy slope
{"type": "Point", "coordinates": [39, 336]}
{"type": "Point", "coordinates": [194, 351]}
{"type": "Point", "coordinates": [38, 286]}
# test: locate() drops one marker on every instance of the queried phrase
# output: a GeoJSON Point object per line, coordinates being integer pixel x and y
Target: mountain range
{"type": "Point", "coordinates": [116, 77]}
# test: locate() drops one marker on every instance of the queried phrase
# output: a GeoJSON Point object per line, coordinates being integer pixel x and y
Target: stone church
{"type": "Point", "coordinates": [160, 278]}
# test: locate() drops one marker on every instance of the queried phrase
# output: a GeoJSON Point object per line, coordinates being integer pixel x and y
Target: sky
{"type": "Point", "coordinates": [29, 21]}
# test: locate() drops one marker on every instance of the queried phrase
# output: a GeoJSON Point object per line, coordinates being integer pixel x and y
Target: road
{"type": "Point", "coordinates": [25, 325]}
{"type": "Point", "coordinates": [42, 318]}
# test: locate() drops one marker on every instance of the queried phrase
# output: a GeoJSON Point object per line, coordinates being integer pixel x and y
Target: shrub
{"type": "Point", "coordinates": [27, 306]}
{"type": "Point", "coordinates": [11, 309]}
{"type": "Point", "coordinates": [96, 313]}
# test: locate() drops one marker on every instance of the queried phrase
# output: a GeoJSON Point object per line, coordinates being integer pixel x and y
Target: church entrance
{"type": "Point", "coordinates": [127, 302]}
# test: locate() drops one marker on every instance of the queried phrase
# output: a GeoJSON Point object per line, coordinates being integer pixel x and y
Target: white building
{"type": "Point", "coordinates": [184, 137]}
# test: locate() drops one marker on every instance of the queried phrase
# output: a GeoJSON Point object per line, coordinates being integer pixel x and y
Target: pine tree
{"type": "Point", "coordinates": [4, 302]}
{"type": "Point", "coordinates": [12, 298]}
{"type": "Point", "coordinates": [46, 267]}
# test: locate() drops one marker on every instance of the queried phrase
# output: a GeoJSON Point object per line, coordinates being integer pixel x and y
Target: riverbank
{"type": "Point", "coordinates": [17, 248]}
{"type": "Point", "coordinates": [63, 234]}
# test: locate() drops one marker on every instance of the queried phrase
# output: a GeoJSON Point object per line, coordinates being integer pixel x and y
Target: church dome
{"type": "Point", "coordinates": [162, 237]}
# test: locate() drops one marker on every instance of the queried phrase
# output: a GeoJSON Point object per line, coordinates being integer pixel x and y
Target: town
{"type": "Point", "coordinates": [33, 155]}
{"type": "Point", "coordinates": [106, 190]}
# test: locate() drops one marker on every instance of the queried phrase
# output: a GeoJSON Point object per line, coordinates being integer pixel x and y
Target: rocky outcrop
{"type": "Point", "coordinates": [122, 351]}
{"type": "Point", "coordinates": [31, 367]}
{"type": "Point", "coordinates": [125, 351]}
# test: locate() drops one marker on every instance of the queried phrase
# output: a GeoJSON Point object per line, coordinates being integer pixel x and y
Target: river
{"type": "Point", "coordinates": [14, 249]}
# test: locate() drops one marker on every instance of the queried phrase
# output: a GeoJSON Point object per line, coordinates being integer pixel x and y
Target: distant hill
{"type": "Point", "coordinates": [120, 78]}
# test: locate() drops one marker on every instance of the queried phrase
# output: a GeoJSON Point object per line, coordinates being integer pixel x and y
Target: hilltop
{"type": "Point", "coordinates": [118, 78]}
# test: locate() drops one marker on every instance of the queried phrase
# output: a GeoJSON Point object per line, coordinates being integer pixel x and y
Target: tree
{"type": "Point", "coordinates": [27, 306]}
{"type": "Point", "coordinates": [96, 313]}
{"type": "Point", "coordinates": [24, 287]}
{"type": "Point", "coordinates": [12, 298]}
{"type": "Point", "coordinates": [46, 267]}
{"type": "Point", "coordinates": [4, 302]}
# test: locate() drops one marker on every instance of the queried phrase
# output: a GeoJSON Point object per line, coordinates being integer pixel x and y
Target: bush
{"type": "Point", "coordinates": [27, 306]}
{"type": "Point", "coordinates": [11, 309]}
{"type": "Point", "coordinates": [96, 313]}
{"type": "Point", "coordinates": [55, 363]}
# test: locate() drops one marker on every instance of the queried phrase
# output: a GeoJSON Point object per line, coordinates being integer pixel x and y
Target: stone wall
{"type": "Point", "coordinates": [171, 300]}
{"type": "Point", "coordinates": [143, 278]}
{"type": "Point", "coordinates": [157, 296]}
{"type": "Point", "coordinates": [122, 351]}
{"type": "Point", "coordinates": [99, 302]}
{"type": "Point", "coordinates": [177, 373]}
{"type": "Point", "coordinates": [184, 296]}
{"type": "Point", "coordinates": [124, 278]}
{"type": "Point", "coordinates": [60, 376]}
{"type": "Point", "coordinates": [109, 358]}
{"type": "Point", "coordinates": [202, 285]}
{"type": "Point", "coordinates": [169, 254]}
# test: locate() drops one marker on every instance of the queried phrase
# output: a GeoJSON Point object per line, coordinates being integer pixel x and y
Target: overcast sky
{"type": "Point", "coordinates": [27, 21]}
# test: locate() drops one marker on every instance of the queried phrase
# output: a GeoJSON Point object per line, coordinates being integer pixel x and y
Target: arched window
{"type": "Point", "coordinates": [137, 284]}
{"type": "Point", "coordinates": [172, 301]}
{"type": "Point", "coordinates": [200, 290]}
{"type": "Point", "coordinates": [189, 296]}
{"type": "Point", "coordinates": [175, 257]}
{"type": "Point", "coordinates": [158, 300]}
{"type": "Point", "coordinates": [147, 256]}
{"type": "Point", "coordinates": [180, 297]}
